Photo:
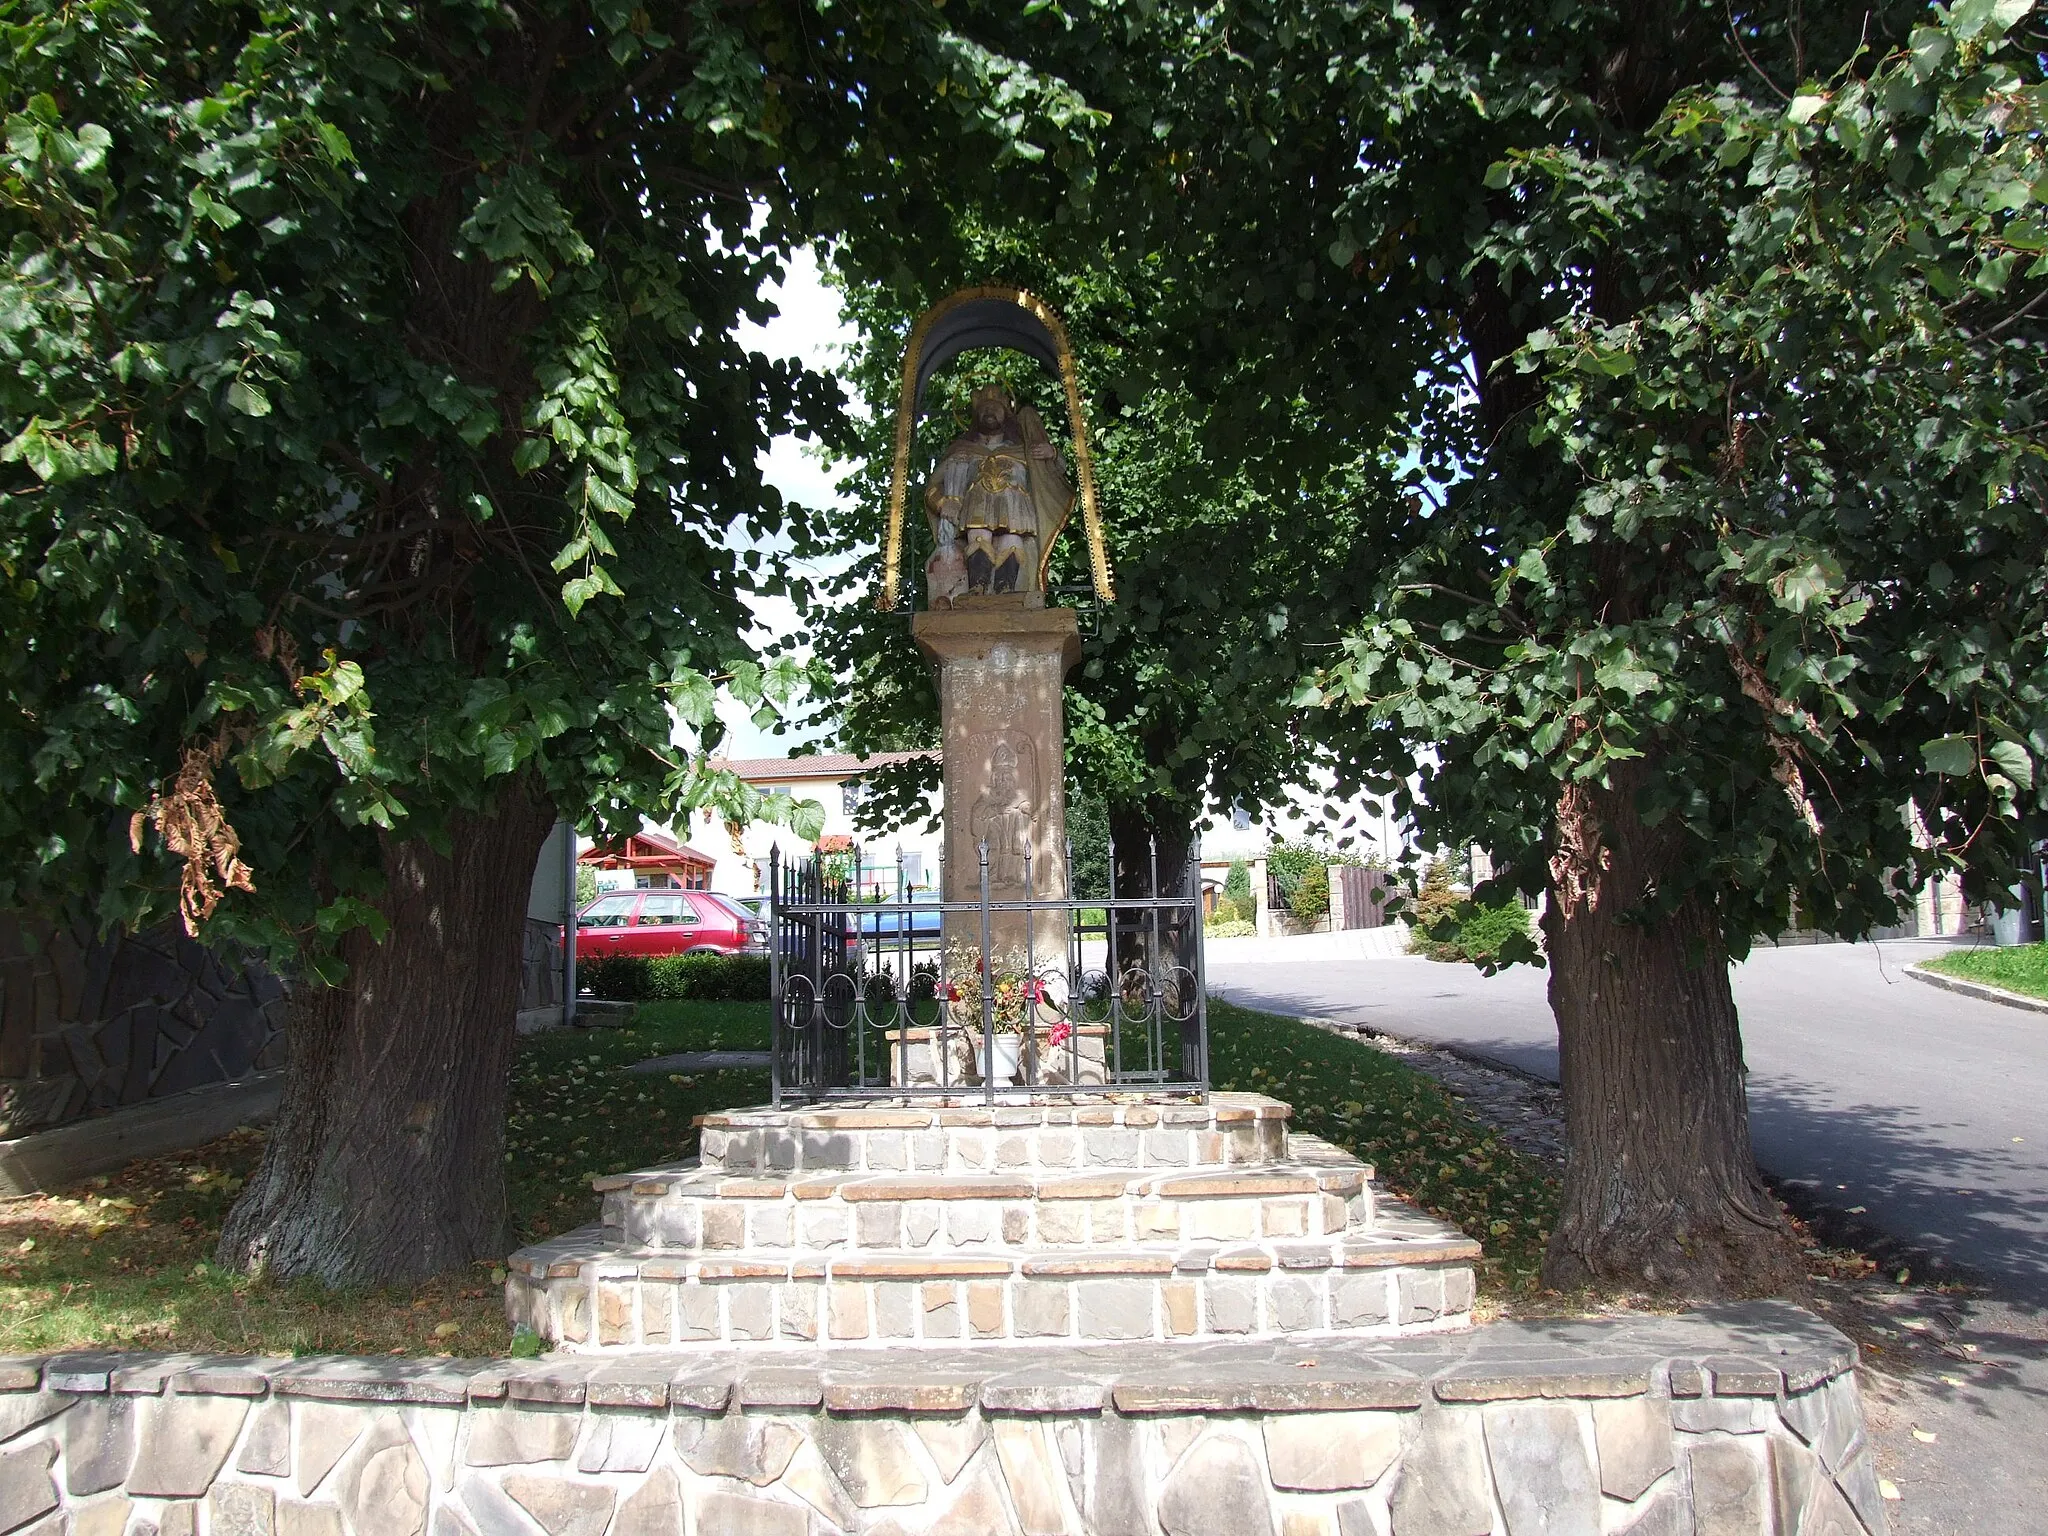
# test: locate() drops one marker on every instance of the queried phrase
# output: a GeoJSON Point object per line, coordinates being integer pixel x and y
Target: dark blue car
{"type": "Point", "coordinates": [885, 928]}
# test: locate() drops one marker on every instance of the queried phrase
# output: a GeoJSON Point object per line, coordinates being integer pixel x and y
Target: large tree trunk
{"type": "Point", "coordinates": [387, 1161]}
{"type": "Point", "coordinates": [1661, 1188]}
{"type": "Point", "coordinates": [1155, 950]}
{"type": "Point", "coordinates": [1145, 833]}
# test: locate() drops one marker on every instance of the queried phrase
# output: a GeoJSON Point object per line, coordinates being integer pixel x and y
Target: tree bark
{"type": "Point", "coordinates": [1661, 1190]}
{"type": "Point", "coordinates": [1160, 948]}
{"type": "Point", "coordinates": [387, 1161]}
{"type": "Point", "coordinates": [1137, 831]}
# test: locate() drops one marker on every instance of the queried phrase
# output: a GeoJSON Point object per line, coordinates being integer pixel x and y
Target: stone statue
{"type": "Point", "coordinates": [997, 500]}
{"type": "Point", "coordinates": [1001, 818]}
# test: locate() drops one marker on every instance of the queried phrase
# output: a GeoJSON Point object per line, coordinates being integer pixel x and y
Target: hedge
{"type": "Point", "coordinates": [647, 978]}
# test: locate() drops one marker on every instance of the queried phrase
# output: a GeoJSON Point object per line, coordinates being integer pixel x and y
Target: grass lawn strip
{"type": "Point", "coordinates": [2022, 968]}
{"type": "Point", "coordinates": [126, 1261]}
{"type": "Point", "coordinates": [1423, 1145]}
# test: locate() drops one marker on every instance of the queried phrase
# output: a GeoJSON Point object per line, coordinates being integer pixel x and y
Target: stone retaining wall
{"type": "Point", "coordinates": [90, 1024]}
{"type": "Point", "coordinates": [1741, 1419]}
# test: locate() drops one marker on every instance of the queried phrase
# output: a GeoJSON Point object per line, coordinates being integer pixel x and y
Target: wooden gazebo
{"type": "Point", "coordinates": [655, 860]}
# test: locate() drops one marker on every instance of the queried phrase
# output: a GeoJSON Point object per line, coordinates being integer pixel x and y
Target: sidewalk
{"type": "Point", "coordinates": [1387, 943]}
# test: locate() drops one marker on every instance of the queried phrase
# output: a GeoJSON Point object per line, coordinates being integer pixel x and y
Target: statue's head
{"type": "Point", "coordinates": [1003, 766]}
{"type": "Point", "coordinates": [991, 407]}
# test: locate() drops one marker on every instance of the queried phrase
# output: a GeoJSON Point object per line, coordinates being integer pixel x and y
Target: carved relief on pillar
{"type": "Point", "coordinates": [1008, 813]}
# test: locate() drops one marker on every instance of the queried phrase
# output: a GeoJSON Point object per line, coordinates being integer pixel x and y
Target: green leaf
{"type": "Point", "coordinates": [1955, 756]}
{"type": "Point", "coordinates": [248, 399]}
{"type": "Point", "coordinates": [579, 590]}
{"type": "Point", "coordinates": [2014, 761]}
{"type": "Point", "coordinates": [334, 142]}
{"type": "Point", "coordinates": [806, 819]}
{"type": "Point", "coordinates": [694, 698]}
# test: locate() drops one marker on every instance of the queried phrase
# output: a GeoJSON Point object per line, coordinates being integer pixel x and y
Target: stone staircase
{"type": "Point", "coordinates": [916, 1224]}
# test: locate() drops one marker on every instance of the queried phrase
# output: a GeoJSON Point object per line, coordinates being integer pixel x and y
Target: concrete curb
{"type": "Point", "coordinates": [51, 1159]}
{"type": "Point", "coordinates": [1980, 990]}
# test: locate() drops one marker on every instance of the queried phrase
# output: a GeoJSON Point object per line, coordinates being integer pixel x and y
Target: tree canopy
{"type": "Point", "coordinates": [376, 430]}
{"type": "Point", "coordinates": [379, 476]}
{"type": "Point", "coordinates": [1716, 340]}
{"type": "Point", "coordinates": [1230, 585]}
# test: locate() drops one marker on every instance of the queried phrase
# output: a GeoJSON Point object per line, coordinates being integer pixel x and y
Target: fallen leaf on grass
{"type": "Point", "coordinates": [1925, 1437]}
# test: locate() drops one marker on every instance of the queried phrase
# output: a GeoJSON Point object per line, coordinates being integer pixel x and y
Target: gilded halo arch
{"type": "Point", "coordinates": [989, 316]}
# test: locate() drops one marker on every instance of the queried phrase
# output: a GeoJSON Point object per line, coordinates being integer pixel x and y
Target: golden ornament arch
{"type": "Point", "coordinates": [963, 321]}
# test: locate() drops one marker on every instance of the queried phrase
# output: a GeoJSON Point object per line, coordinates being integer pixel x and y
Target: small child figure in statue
{"type": "Point", "coordinates": [946, 572]}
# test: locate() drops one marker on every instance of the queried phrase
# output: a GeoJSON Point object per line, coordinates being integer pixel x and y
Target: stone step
{"type": "Point", "coordinates": [584, 1293]}
{"type": "Point", "coordinates": [689, 1208]}
{"type": "Point", "coordinates": [934, 1136]}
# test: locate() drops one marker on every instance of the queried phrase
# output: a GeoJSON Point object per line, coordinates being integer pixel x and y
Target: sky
{"type": "Point", "coordinates": [809, 327]}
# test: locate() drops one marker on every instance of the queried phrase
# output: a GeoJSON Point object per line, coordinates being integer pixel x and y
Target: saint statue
{"type": "Point", "coordinates": [1001, 818]}
{"type": "Point", "coordinates": [997, 500]}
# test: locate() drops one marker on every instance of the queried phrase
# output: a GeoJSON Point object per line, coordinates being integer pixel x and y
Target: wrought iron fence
{"type": "Point", "coordinates": [894, 998]}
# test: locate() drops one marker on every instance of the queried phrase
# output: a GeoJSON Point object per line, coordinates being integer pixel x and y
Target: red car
{"type": "Point", "coordinates": [656, 922]}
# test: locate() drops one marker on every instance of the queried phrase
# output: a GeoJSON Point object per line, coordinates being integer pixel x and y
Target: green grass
{"type": "Point", "coordinates": [2023, 968]}
{"type": "Point", "coordinates": [576, 1114]}
{"type": "Point", "coordinates": [1423, 1145]}
{"type": "Point", "coordinates": [126, 1261]}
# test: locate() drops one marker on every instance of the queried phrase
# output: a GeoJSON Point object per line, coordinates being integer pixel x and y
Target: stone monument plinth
{"type": "Point", "coordinates": [1002, 662]}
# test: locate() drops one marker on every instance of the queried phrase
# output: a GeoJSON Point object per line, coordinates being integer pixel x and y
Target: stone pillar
{"type": "Point", "coordinates": [1002, 672]}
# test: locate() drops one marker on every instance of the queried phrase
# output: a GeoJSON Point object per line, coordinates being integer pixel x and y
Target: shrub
{"type": "Point", "coordinates": [1302, 871]}
{"type": "Point", "coordinates": [1309, 901]}
{"type": "Point", "coordinates": [1237, 886]}
{"type": "Point", "coordinates": [1434, 910]}
{"type": "Point", "coordinates": [1452, 927]}
{"type": "Point", "coordinates": [647, 978]}
{"type": "Point", "coordinates": [1235, 929]}
{"type": "Point", "coordinates": [1488, 930]}
{"type": "Point", "coordinates": [1226, 911]}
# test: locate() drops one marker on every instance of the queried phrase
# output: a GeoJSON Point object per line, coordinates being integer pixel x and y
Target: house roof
{"type": "Point", "coordinates": [823, 765]}
{"type": "Point", "coordinates": [646, 850]}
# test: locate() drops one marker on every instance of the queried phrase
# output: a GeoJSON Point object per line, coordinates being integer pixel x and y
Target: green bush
{"type": "Point", "coordinates": [1237, 885]}
{"type": "Point", "coordinates": [646, 978]}
{"type": "Point", "coordinates": [1453, 927]}
{"type": "Point", "coordinates": [1234, 929]}
{"type": "Point", "coordinates": [1434, 910]}
{"type": "Point", "coordinates": [1483, 935]}
{"type": "Point", "coordinates": [1301, 869]}
{"type": "Point", "coordinates": [1225, 911]}
{"type": "Point", "coordinates": [1309, 901]}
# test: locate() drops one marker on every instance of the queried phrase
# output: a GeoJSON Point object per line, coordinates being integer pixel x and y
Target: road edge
{"type": "Point", "coordinates": [1983, 991]}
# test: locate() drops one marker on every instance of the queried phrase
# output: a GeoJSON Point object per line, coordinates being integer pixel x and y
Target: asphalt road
{"type": "Point", "coordinates": [1928, 1109]}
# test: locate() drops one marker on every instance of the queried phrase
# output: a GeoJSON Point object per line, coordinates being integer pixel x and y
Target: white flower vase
{"type": "Point", "coordinates": [1007, 1048]}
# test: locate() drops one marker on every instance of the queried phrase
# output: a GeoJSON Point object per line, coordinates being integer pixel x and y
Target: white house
{"type": "Point", "coordinates": [834, 780]}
